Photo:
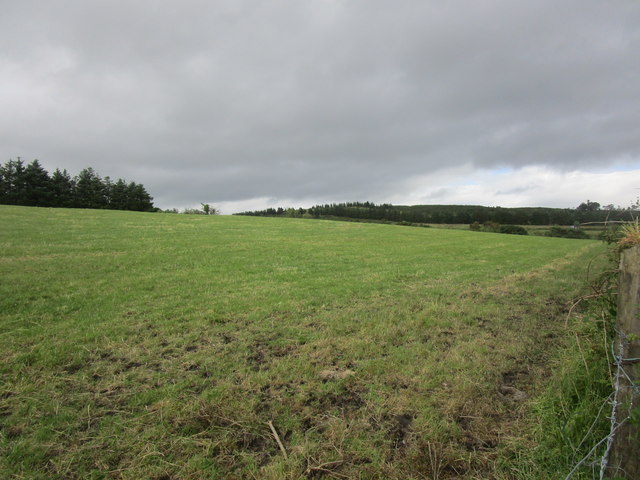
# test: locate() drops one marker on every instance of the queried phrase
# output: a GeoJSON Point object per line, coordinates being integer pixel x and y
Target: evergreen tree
{"type": "Point", "coordinates": [4, 185]}
{"type": "Point", "coordinates": [12, 185]}
{"type": "Point", "coordinates": [38, 192]}
{"type": "Point", "coordinates": [119, 195]}
{"type": "Point", "coordinates": [90, 191]}
{"type": "Point", "coordinates": [62, 189]}
{"type": "Point", "coordinates": [107, 185]}
{"type": "Point", "coordinates": [138, 198]}
{"type": "Point", "coordinates": [32, 186]}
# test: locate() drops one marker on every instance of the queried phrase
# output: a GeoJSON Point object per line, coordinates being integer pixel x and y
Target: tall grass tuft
{"type": "Point", "coordinates": [630, 235]}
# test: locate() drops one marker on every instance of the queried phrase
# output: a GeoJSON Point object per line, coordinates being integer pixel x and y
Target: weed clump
{"type": "Point", "coordinates": [630, 235]}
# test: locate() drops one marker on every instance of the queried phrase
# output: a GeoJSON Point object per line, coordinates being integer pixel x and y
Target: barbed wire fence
{"type": "Point", "coordinates": [621, 455]}
{"type": "Point", "coordinates": [616, 423]}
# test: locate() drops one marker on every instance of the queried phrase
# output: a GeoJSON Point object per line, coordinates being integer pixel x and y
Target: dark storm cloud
{"type": "Point", "coordinates": [232, 100]}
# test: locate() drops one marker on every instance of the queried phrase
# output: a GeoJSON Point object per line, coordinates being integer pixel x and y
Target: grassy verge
{"type": "Point", "coordinates": [575, 409]}
{"type": "Point", "coordinates": [573, 412]}
{"type": "Point", "coordinates": [160, 346]}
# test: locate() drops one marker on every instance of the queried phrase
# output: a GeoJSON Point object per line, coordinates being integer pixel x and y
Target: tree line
{"type": "Point", "coordinates": [31, 185]}
{"type": "Point", "coordinates": [456, 214]}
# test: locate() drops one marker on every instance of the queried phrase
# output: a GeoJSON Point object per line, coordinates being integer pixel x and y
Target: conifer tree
{"type": "Point", "coordinates": [12, 186]}
{"type": "Point", "coordinates": [32, 186]}
{"type": "Point", "coordinates": [138, 198]}
{"type": "Point", "coordinates": [38, 192]}
{"type": "Point", "coordinates": [119, 195]}
{"type": "Point", "coordinates": [90, 190]}
{"type": "Point", "coordinates": [62, 187]}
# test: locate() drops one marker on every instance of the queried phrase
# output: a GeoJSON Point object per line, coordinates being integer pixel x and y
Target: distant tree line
{"type": "Point", "coordinates": [31, 185]}
{"type": "Point", "coordinates": [206, 209]}
{"type": "Point", "coordinates": [456, 214]}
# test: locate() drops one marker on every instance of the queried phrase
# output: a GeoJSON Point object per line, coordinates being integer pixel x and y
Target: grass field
{"type": "Point", "coordinates": [160, 346]}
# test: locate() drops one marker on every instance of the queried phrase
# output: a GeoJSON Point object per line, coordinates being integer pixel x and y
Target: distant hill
{"type": "Point", "coordinates": [453, 214]}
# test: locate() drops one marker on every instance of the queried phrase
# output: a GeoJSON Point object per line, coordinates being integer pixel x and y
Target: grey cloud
{"type": "Point", "coordinates": [232, 100]}
{"type": "Point", "coordinates": [516, 190]}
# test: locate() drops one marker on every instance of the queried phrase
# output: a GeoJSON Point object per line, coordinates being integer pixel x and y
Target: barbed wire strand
{"type": "Point", "coordinates": [584, 439]}
{"type": "Point", "coordinates": [619, 362]}
{"type": "Point", "coordinates": [595, 447]}
{"type": "Point", "coordinates": [604, 461]}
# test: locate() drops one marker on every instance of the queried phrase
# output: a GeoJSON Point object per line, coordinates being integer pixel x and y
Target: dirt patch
{"type": "Point", "coordinates": [73, 368]}
{"type": "Point", "coordinates": [513, 394]}
{"type": "Point", "coordinates": [347, 400]}
{"type": "Point", "coordinates": [226, 338]}
{"type": "Point", "coordinates": [260, 446]}
{"type": "Point", "coordinates": [559, 305]}
{"type": "Point", "coordinates": [312, 423]}
{"type": "Point", "coordinates": [472, 439]}
{"type": "Point", "coordinates": [256, 360]}
{"type": "Point", "coordinates": [273, 394]}
{"type": "Point", "coordinates": [263, 353]}
{"type": "Point", "coordinates": [400, 430]}
{"type": "Point", "coordinates": [515, 377]}
{"type": "Point", "coordinates": [14, 432]}
{"type": "Point", "coordinates": [465, 422]}
{"type": "Point", "coordinates": [250, 436]}
{"type": "Point", "coordinates": [446, 339]}
{"type": "Point", "coordinates": [127, 366]}
{"type": "Point", "coordinates": [482, 322]}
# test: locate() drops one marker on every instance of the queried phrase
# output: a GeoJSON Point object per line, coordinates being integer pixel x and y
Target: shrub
{"type": "Point", "coordinates": [491, 227]}
{"type": "Point", "coordinates": [567, 233]}
{"type": "Point", "coordinates": [193, 211]}
{"type": "Point", "coordinates": [513, 230]}
{"type": "Point", "coordinates": [611, 234]}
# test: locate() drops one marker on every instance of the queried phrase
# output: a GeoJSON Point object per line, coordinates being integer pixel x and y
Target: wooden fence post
{"type": "Point", "coordinates": [624, 457]}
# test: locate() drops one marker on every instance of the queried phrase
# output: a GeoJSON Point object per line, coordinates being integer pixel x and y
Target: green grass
{"type": "Point", "coordinates": [159, 346]}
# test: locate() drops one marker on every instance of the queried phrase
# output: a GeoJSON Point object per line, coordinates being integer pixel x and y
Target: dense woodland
{"type": "Point", "coordinates": [31, 185]}
{"type": "Point", "coordinates": [457, 214]}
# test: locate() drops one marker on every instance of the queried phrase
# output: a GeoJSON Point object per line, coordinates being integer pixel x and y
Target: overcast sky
{"type": "Point", "coordinates": [249, 104]}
